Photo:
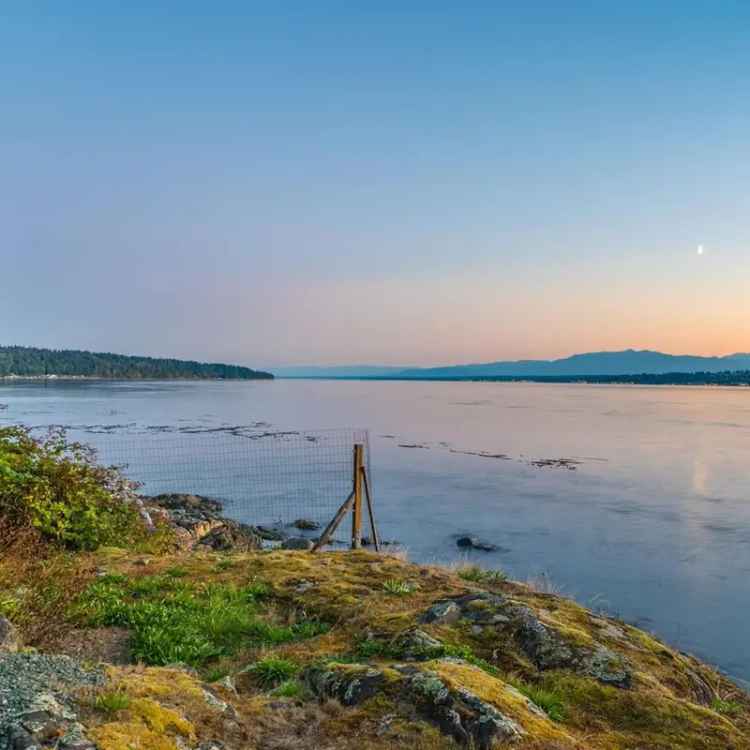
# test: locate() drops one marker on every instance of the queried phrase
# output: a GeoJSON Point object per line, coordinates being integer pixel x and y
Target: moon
{"type": "Point", "coordinates": [700, 249]}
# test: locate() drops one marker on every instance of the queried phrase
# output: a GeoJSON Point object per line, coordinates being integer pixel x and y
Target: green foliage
{"type": "Point", "coordinates": [33, 362]}
{"type": "Point", "coordinates": [548, 699]}
{"type": "Point", "coordinates": [175, 621]}
{"type": "Point", "coordinates": [398, 588]}
{"type": "Point", "coordinates": [477, 574]}
{"type": "Point", "coordinates": [272, 671]}
{"type": "Point", "coordinates": [57, 487]}
{"type": "Point", "coordinates": [725, 707]}
{"type": "Point", "coordinates": [290, 689]}
{"type": "Point", "coordinates": [111, 702]}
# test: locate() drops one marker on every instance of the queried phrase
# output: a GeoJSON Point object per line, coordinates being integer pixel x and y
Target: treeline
{"type": "Point", "coordinates": [730, 377]}
{"type": "Point", "coordinates": [24, 361]}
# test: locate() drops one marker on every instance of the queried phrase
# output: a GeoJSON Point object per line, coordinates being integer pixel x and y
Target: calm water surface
{"type": "Point", "coordinates": [653, 524]}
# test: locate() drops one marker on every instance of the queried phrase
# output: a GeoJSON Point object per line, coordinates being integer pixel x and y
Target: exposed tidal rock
{"type": "Point", "coordinates": [473, 542]}
{"type": "Point", "coordinates": [197, 521]}
{"type": "Point", "coordinates": [298, 543]}
{"type": "Point", "coordinates": [305, 524]}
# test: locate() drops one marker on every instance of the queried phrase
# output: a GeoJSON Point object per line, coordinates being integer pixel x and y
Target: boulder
{"type": "Point", "coordinates": [298, 543]}
{"type": "Point", "coordinates": [472, 542]}
{"type": "Point", "coordinates": [459, 713]}
{"type": "Point", "coordinates": [416, 645]}
{"type": "Point", "coordinates": [350, 684]}
{"type": "Point", "coordinates": [305, 524]}
{"type": "Point", "coordinates": [445, 612]}
{"type": "Point", "coordinates": [10, 641]}
{"type": "Point", "coordinates": [231, 535]}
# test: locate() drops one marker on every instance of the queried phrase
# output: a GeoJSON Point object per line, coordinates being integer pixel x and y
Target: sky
{"type": "Point", "coordinates": [411, 183]}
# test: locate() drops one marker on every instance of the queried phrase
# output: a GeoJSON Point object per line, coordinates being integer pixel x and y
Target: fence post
{"type": "Point", "coordinates": [357, 489]}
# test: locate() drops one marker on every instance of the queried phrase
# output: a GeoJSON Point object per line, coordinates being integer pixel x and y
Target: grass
{"type": "Point", "coordinates": [290, 689]}
{"type": "Point", "coordinates": [112, 701]}
{"type": "Point", "coordinates": [548, 699]}
{"type": "Point", "coordinates": [477, 574]}
{"type": "Point", "coordinates": [397, 587]}
{"type": "Point", "coordinates": [273, 671]}
{"type": "Point", "coordinates": [726, 708]}
{"type": "Point", "coordinates": [173, 621]}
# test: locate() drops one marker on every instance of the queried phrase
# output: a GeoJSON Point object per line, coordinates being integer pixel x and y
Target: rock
{"type": "Point", "coordinates": [472, 542]}
{"type": "Point", "coordinates": [185, 502]}
{"type": "Point", "coordinates": [297, 542]}
{"type": "Point", "coordinates": [542, 645]}
{"type": "Point", "coordinates": [444, 612]}
{"type": "Point", "coordinates": [10, 641]}
{"type": "Point", "coordinates": [607, 667]}
{"type": "Point", "coordinates": [304, 524]}
{"type": "Point", "coordinates": [350, 684]}
{"type": "Point", "coordinates": [231, 535]}
{"type": "Point", "coordinates": [460, 713]}
{"type": "Point", "coordinates": [270, 534]}
{"type": "Point", "coordinates": [416, 645]}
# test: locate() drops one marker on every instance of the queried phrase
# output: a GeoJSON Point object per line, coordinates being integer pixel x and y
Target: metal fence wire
{"type": "Point", "coordinates": [260, 476]}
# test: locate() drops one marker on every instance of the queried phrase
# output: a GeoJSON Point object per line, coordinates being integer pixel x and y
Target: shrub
{"type": "Point", "coordinates": [57, 487]}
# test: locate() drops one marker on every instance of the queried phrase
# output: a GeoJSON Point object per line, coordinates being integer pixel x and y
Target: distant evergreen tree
{"type": "Point", "coordinates": [30, 361]}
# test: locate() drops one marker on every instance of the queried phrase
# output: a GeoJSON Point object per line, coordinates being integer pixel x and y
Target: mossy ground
{"type": "Point", "coordinates": [289, 610]}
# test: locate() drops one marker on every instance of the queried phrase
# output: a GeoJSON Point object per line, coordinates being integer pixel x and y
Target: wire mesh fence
{"type": "Point", "coordinates": [261, 476]}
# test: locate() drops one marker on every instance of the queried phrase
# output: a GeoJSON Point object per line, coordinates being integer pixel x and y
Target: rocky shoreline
{"type": "Point", "coordinates": [347, 650]}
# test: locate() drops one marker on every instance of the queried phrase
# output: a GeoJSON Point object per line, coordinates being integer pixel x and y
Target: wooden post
{"type": "Point", "coordinates": [373, 528]}
{"type": "Point", "coordinates": [359, 463]}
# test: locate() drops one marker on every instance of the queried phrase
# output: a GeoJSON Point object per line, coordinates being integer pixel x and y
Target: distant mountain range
{"type": "Point", "coordinates": [606, 364]}
{"type": "Point", "coordinates": [31, 362]}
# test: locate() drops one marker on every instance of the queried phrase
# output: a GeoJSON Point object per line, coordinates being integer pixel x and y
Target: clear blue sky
{"type": "Point", "coordinates": [411, 182]}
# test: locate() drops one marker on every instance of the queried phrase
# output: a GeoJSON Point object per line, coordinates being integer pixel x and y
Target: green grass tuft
{"type": "Point", "coordinates": [477, 574]}
{"type": "Point", "coordinates": [548, 699]}
{"type": "Point", "coordinates": [111, 702]}
{"type": "Point", "coordinates": [290, 689]}
{"type": "Point", "coordinates": [398, 588]}
{"type": "Point", "coordinates": [272, 671]}
{"type": "Point", "coordinates": [726, 708]}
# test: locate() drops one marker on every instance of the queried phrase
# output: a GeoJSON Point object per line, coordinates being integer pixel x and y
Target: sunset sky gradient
{"type": "Point", "coordinates": [413, 183]}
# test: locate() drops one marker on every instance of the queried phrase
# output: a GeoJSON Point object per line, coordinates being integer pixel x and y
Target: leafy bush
{"type": "Point", "coordinates": [57, 487]}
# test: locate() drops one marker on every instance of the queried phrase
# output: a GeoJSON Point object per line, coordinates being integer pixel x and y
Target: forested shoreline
{"type": "Point", "coordinates": [32, 362]}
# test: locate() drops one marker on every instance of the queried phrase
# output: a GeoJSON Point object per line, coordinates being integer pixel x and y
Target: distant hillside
{"type": "Point", "coordinates": [629, 362]}
{"type": "Point", "coordinates": [25, 361]}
